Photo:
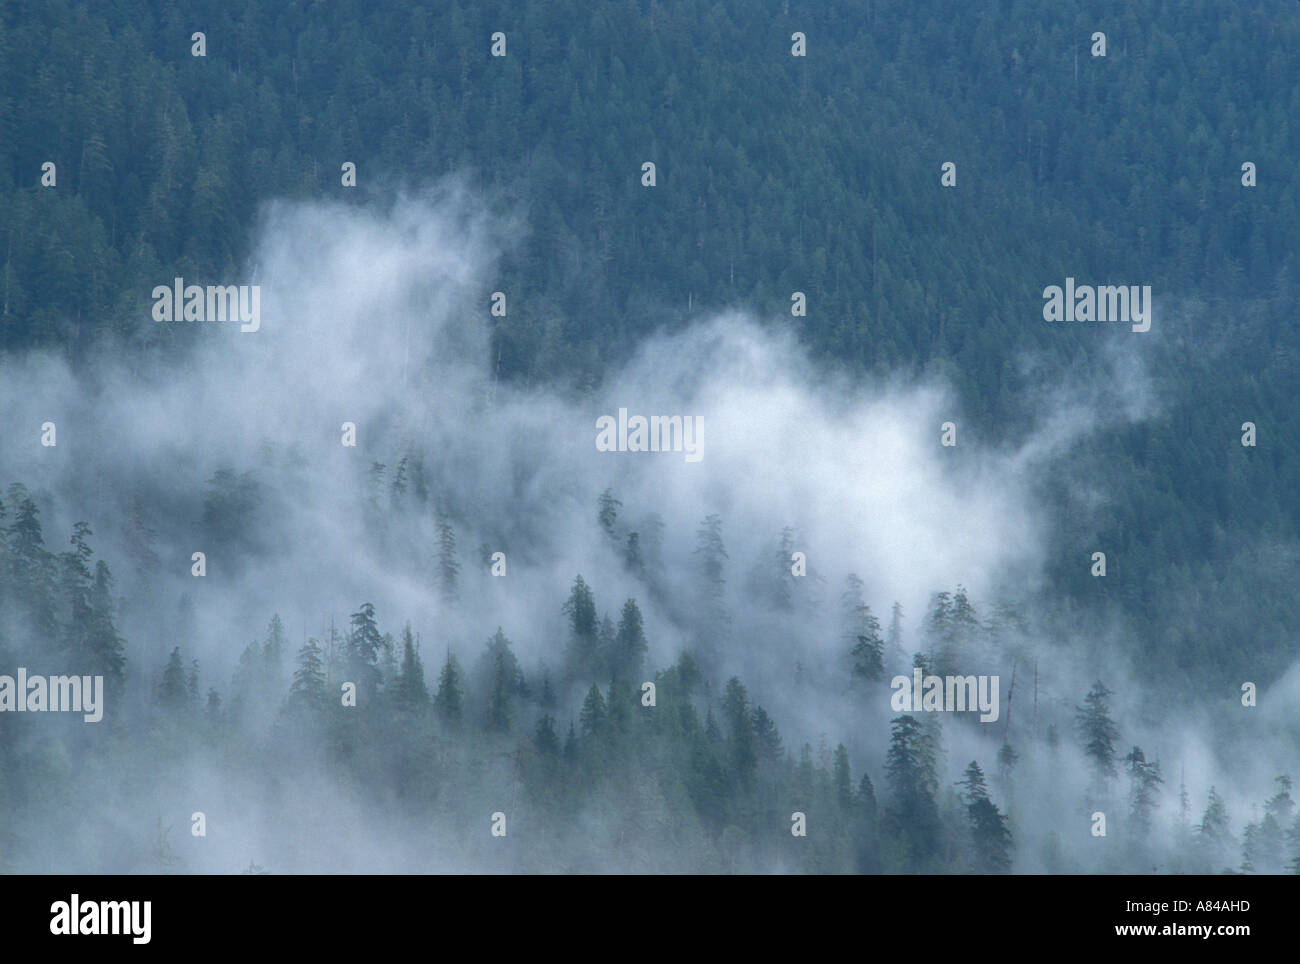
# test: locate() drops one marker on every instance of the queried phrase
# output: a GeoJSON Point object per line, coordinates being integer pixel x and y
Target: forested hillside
{"type": "Point", "coordinates": [775, 174]}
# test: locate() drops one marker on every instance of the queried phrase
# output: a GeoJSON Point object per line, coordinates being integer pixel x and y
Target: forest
{"type": "Point", "coordinates": [768, 743]}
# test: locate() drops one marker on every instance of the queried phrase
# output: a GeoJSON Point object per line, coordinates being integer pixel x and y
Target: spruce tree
{"type": "Point", "coordinates": [913, 781]}
{"type": "Point", "coordinates": [584, 641]}
{"type": "Point", "coordinates": [448, 701]}
{"type": "Point", "coordinates": [1099, 732]}
{"type": "Point", "coordinates": [307, 689]}
{"type": "Point", "coordinates": [630, 645]}
{"type": "Point", "coordinates": [365, 648]}
{"type": "Point", "coordinates": [172, 691]}
{"type": "Point", "coordinates": [411, 690]}
{"type": "Point", "coordinates": [1144, 778]}
{"type": "Point", "coordinates": [592, 717]}
{"type": "Point", "coordinates": [448, 567]}
{"type": "Point", "coordinates": [989, 835]}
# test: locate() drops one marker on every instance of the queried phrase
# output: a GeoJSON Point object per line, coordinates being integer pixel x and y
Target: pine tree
{"type": "Point", "coordinates": [766, 737]}
{"type": "Point", "coordinates": [743, 751]}
{"type": "Point", "coordinates": [501, 703]}
{"type": "Point", "coordinates": [632, 557]}
{"type": "Point", "coordinates": [1144, 778]}
{"type": "Point", "coordinates": [1099, 732]}
{"type": "Point", "coordinates": [592, 716]}
{"type": "Point", "coordinates": [868, 653]}
{"type": "Point", "coordinates": [896, 654]}
{"type": "Point", "coordinates": [105, 650]}
{"type": "Point", "coordinates": [29, 565]}
{"type": "Point", "coordinates": [545, 739]}
{"type": "Point", "coordinates": [172, 692]}
{"type": "Point", "coordinates": [397, 488]}
{"type": "Point", "coordinates": [939, 636]}
{"type": "Point", "coordinates": [989, 834]}
{"type": "Point", "coordinates": [607, 514]}
{"type": "Point", "coordinates": [1212, 832]}
{"type": "Point", "coordinates": [783, 579]}
{"type": "Point", "coordinates": [308, 687]}
{"type": "Point", "coordinates": [448, 568]}
{"type": "Point", "coordinates": [411, 690]}
{"type": "Point", "coordinates": [867, 648]}
{"type": "Point", "coordinates": [273, 654]}
{"type": "Point", "coordinates": [584, 641]}
{"type": "Point", "coordinates": [913, 782]}
{"type": "Point", "coordinates": [448, 701]}
{"type": "Point", "coordinates": [630, 644]}
{"type": "Point", "coordinates": [75, 586]}
{"type": "Point", "coordinates": [365, 647]}
{"type": "Point", "coordinates": [213, 710]}
{"type": "Point", "coordinates": [842, 779]}
{"type": "Point", "coordinates": [715, 624]}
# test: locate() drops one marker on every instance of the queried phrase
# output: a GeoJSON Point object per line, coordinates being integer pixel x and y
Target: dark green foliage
{"type": "Point", "coordinates": [1098, 731]}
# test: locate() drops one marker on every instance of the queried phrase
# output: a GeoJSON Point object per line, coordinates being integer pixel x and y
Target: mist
{"type": "Point", "coordinates": [378, 315]}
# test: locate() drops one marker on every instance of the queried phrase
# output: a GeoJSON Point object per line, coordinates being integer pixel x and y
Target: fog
{"type": "Point", "coordinates": [378, 315]}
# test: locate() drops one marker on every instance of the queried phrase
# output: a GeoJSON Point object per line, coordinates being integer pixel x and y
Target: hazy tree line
{"type": "Point", "coordinates": [703, 779]}
{"type": "Point", "coordinates": [1079, 165]}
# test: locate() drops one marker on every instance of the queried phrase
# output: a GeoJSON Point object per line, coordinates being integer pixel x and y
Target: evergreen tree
{"type": "Point", "coordinates": [105, 651]}
{"type": "Point", "coordinates": [411, 690]}
{"type": "Point", "coordinates": [308, 687]}
{"type": "Point", "coordinates": [743, 751]}
{"type": "Point", "coordinates": [632, 557]}
{"type": "Point", "coordinates": [592, 716]}
{"type": "Point", "coordinates": [766, 737]}
{"type": "Point", "coordinates": [448, 701]}
{"type": "Point", "coordinates": [1213, 833]}
{"type": "Point", "coordinates": [895, 653]}
{"type": "Point", "coordinates": [448, 568]}
{"type": "Point", "coordinates": [545, 739]}
{"type": "Point", "coordinates": [501, 704]}
{"type": "Point", "coordinates": [1099, 732]}
{"type": "Point", "coordinates": [863, 632]}
{"type": "Point", "coordinates": [273, 653]}
{"type": "Point", "coordinates": [607, 514]}
{"type": "Point", "coordinates": [913, 781]}
{"type": "Point", "coordinates": [584, 642]}
{"type": "Point", "coordinates": [1144, 778]}
{"type": "Point", "coordinates": [172, 692]}
{"type": "Point", "coordinates": [630, 645]}
{"type": "Point", "coordinates": [365, 648]}
{"type": "Point", "coordinates": [990, 837]}
{"type": "Point", "coordinates": [842, 778]}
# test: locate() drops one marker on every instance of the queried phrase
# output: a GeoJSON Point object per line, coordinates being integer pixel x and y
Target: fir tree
{"type": "Point", "coordinates": [1099, 732]}
{"type": "Point", "coordinates": [411, 690]}
{"type": "Point", "coordinates": [989, 835]}
{"type": "Point", "coordinates": [607, 514]}
{"type": "Point", "coordinates": [365, 647]}
{"type": "Point", "coordinates": [1144, 778]}
{"type": "Point", "coordinates": [592, 716]}
{"type": "Point", "coordinates": [448, 568]}
{"type": "Point", "coordinates": [172, 691]}
{"type": "Point", "coordinates": [630, 644]}
{"type": "Point", "coordinates": [308, 687]}
{"type": "Point", "coordinates": [584, 642]}
{"type": "Point", "coordinates": [448, 701]}
{"type": "Point", "coordinates": [766, 737]}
